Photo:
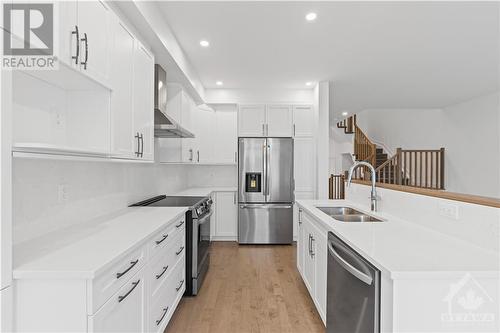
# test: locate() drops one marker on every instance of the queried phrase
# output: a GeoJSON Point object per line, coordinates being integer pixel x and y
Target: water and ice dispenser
{"type": "Point", "coordinates": [253, 182]}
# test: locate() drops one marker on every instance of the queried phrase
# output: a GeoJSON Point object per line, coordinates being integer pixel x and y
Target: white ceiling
{"type": "Point", "coordinates": [378, 55]}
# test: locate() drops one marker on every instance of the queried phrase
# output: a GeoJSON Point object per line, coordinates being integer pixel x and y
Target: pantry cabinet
{"type": "Point", "coordinates": [312, 258]}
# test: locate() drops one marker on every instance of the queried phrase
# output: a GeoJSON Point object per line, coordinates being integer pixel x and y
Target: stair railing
{"type": "Point", "coordinates": [365, 150]}
{"type": "Point", "coordinates": [416, 168]}
{"type": "Point", "coordinates": [336, 187]}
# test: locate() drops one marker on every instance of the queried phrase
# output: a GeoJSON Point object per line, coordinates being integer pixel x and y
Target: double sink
{"type": "Point", "coordinates": [348, 214]}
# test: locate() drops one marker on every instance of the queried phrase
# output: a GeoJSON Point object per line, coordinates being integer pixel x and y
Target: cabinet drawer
{"type": "Point", "coordinates": [124, 311]}
{"type": "Point", "coordinates": [160, 268]}
{"type": "Point", "coordinates": [109, 281]}
{"type": "Point", "coordinates": [164, 237]}
{"type": "Point", "coordinates": [163, 306]}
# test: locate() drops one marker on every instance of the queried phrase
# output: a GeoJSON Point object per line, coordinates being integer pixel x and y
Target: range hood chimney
{"type": "Point", "coordinates": [165, 125]}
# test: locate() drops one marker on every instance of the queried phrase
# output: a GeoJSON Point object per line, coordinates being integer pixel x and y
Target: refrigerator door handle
{"type": "Point", "coordinates": [265, 206]}
{"type": "Point", "coordinates": [264, 169]}
{"type": "Point", "coordinates": [268, 157]}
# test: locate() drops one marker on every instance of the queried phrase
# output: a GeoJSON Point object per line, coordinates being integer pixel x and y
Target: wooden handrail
{"type": "Point", "coordinates": [422, 168]}
{"type": "Point", "coordinates": [365, 150]}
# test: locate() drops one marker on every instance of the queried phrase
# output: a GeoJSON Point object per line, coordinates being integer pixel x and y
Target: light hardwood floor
{"type": "Point", "coordinates": [249, 289]}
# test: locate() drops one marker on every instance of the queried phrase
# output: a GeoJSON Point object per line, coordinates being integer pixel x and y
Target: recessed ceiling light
{"type": "Point", "coordinates": [309, 84]}
{"type": "Point", "coordinates": [311, 16]}
{"type": "Point", "coordinates": [345, 113]}
{"type": "Point", "coordinates": [204, 43]}
{"type": "Point", "coordinates": [219, 83]}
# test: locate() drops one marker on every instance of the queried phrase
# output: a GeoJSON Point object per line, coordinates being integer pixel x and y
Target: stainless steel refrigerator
{"type": "Point", "coordinates": [265, 190]}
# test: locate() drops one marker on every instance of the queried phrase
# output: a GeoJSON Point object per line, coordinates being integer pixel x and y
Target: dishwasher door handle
{"type": "Point", "coordinates": [348, 267]}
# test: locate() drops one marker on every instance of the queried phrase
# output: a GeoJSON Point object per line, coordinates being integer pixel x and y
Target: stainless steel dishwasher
{"type": "Point", "coordinates": [353, 299]}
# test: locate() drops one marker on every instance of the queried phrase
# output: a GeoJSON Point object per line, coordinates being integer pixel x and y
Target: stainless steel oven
{"type": "Point", "coordinates": [197, 235]}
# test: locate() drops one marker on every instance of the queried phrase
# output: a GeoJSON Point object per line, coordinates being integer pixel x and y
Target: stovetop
{"type": "Point", "coordinates": [172, 201]}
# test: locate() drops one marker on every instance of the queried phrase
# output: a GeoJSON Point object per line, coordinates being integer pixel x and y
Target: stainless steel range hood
{"type": "Point", "coordinates": [165, 126]}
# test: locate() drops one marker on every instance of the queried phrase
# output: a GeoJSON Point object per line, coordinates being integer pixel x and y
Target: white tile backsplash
{"type": "Point", "coordinates": [212, 175]}
{"type": "Point", "coordinates": [52, 194]}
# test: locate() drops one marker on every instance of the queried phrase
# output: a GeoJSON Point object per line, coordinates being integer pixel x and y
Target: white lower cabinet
{"type": "Point", "coordinates": [125, 311]}
{"type": "Point", "coordinates": [139, 292]}
{"type": "Point", "coordinates": [312, 259]}
{"type": "Point", "coordinates": [226, 216]}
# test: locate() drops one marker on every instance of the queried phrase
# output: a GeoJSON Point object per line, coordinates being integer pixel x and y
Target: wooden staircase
{"type": "Point", "coordinates": [417, 168]}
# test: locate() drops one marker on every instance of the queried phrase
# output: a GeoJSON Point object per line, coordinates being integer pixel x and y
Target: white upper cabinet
{"type": "Point", "coordinates": [122, 111]}
{"type": "Point", "coordinates": [226, 136]}
{"type": "Point", "coordinates": [303, 121]}
{"type": "Point", "coordinates": [85, 38]}
{"type": "Point", "coordinates": [93, 24]}
{"type": "Point", "coordinates": [144, 101]}
{"type": "Point", "coordinates": [279, 121]}
{"type": "Point", "coordinates": [252, 121]}
{"type": "Point", "coordinates": [204, 132]}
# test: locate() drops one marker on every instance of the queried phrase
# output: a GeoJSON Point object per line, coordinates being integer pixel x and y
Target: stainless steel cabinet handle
{"type": "Point", "coordinates": [134, 284]}
{"type": "Point", "coordinates": [163, 272]}
{"type": "Point", "coordinates": [309, 244]}
{"type": "Point", "coordinates": [293, 129]}
{"type": "Point", "coordinates": [191, 155]}
{"type": "Point", "coordinates": [141, 139]}
{"type": "Point", "coordinates": [179, 225]}
{"type": "Point", "coordinates": [312, 248]}
{"type": "Point", "coordinates": [300, 216]}
{"type": "Point", "coordinates": [198, 157]}
{"type": "Point", "coordinates": [158, 242]}
{"type": "Point", "coordinates": [138, 144]}
{"type": "Point", "coordinates": [348, 267]}
{"type": "Point", "coordinates": [180, 286]}
{"type": "Point", "coordinates": [77, 33]}
{"type": "Point", "coordinates": [162, 316]}
{"type": "Point", "coordinates": [180, 250]}
{"type": "Point", "coordinates": [86, 41]}
{"type": "Point", "coordinates": [132, 264]}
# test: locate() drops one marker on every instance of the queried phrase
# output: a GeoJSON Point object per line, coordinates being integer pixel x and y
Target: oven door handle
{"type": "Point", "coordinates": [205, 218]}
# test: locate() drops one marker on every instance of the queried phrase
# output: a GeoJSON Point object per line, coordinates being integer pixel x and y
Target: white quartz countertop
{"type": "Point", "coordinates": [84, 250]}
{"type": "Point", "coordinates": [404, 249]}
{"type": "Point", "coordinates": [203, 191]}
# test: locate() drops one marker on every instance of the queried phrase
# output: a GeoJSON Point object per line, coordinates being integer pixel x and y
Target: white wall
{"type": "Point", "coordinates": [476, 224]}
{"type": "Point", "coordinates": [469, 132]}
{"type": "Point", "coordinates": [92, 189]}
{"type": "Point", "coordinates": [242, 96]}
{"type": "Point", "coordinates": [322, 138]}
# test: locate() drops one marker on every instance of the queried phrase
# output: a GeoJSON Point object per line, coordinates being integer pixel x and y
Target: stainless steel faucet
{"type": "Point", "coordinates": [373, 196]}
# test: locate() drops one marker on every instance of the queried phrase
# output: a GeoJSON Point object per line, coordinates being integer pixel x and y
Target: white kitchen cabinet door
{"type": "Point", "coordinates": [125, 311]}
{"type": "Point", "coordinates": [299, 196]}
{"type": "Point", "coordinates": [303, 121]}
{"type": "Point", "coordinates": [252, 121]}
{"type": "Point", "coordinates": [308, 267]}
{"type": "Point", "coordinates": [226, 137]}
{"type": "Point", "coordinates": [68, 32]}
{"type": "Point", "coordinates": [95, 41]}
{"type": "Point", "coordinates": [304, 164]}
{"type": "Point", "coordinates": [279, 121]}
{"type": "Point", "coordinates": [226, 226]}
{"type": "Point", "coordinates": [123, 143]}
{"type": "Point", "coordinates": [144, 100]}
{"type": "Point", "coordinates": [205, 132]}
{"type": "Point", "coordinates": [189, 113]}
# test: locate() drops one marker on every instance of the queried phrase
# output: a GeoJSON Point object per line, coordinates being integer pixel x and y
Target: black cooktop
{"type": "Point", "coordinates": [171, 201]}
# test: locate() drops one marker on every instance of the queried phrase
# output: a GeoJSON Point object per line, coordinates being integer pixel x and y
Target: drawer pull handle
{"type": "Point", "coordinates": [179, 225]}
{"type": "Point", "coordinates": [162, 316]}
{"type": "Point", "coordinates": [180, 250]}
{"type": "Point", "coordinates": [163, 272]}
{"type": "Point", "coordinates": [135, 284]}
{"type": "Point", "coordinates": [158, 242]}
{"type": "Point", "coordinates": [132, 264]}
{"type": "Point", "coordinates": [180, 286]}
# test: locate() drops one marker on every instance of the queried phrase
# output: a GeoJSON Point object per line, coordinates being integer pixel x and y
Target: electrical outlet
{"type": "Point", "coordinates": [449, 210]}
{"type": "Point", "coordinates": [62, 193]}
{"type": "Point", "coordinates": [60, 119]}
